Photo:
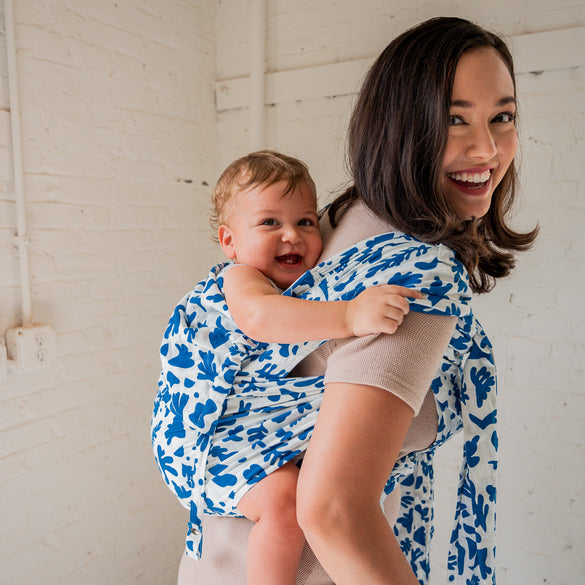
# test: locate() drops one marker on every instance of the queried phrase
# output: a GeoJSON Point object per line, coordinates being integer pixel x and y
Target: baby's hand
{"type": "Point", "coordinates": [379, 309]}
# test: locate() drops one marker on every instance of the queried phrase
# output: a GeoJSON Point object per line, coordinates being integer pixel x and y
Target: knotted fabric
{"type": "Point", "coordinates": [227, 413]}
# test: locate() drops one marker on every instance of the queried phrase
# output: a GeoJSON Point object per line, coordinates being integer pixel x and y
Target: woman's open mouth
{"type": "Point", "coordinates": [473, 182]}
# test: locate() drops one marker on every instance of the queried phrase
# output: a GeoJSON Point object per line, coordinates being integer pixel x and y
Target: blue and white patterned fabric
{"type": "Point", "coordinates": [226, 414]}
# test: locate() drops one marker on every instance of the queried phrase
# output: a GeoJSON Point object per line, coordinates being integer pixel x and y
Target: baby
{"type": "Point", "coordinates": [267, 223]}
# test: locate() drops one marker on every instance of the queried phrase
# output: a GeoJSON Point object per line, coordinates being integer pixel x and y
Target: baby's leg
{"type": "Point", "coordinates": [276, 541]}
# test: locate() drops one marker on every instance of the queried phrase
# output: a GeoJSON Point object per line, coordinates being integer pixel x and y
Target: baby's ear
{"type": "Point", "coordinates": [226, 241]}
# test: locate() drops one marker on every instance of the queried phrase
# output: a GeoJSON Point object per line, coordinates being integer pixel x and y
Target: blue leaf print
{"type": "Point", "coordinates": [175, 321]}
{"type": "Point", "coordinates": [207, 368]}
{"type": "Point", "coordinates": [491, 490]}
{"type": "Point", "coordinates": [184, 359]}
{"type": "Point", "coordinates": [427, 266]}
{"type": "Point", "coordinates": [218, 335]}
{"type": "Point", "coordinates": [220, 478]}
{"type": "Point", "coordinates": [254, 474]}
{"type": "Point", "coordinates": [324, 289]}
{"type": "Point", "coordinates": [257, 434]}
{"type": "Point", "coordinates": [201, 411]}
{"type": "Point", "coordinates": [485, 422]}
{"type": "Point", "coordinates": [221, 453]}
{"type": "Point", "coordinates": [405, 545]}
{"type": "Point", "coordinates": [470, 450]}
{"type": "Point", "coordinates": [483, 381]}
{"type": "Point", "coordinates": [480, 556]}
{"type": "Point", "coordinates": [182, 492]}
{"type": "Point", "coordinates": [494, 440]}
{"type": "Point", "coordinates": [172, 379]}
{"type": "Point", "coordinates": [283, 350]}
{"type": "Point", "coordinates": [406, 520]}
{"type": "Point", "coordinates": [165, 463]}
{"type": "Point", "coordinates": [420, 536]}
{"type": "Point", "coordinates": [437, 290]}
{"type": "Point", "coordinates": [236, 433]}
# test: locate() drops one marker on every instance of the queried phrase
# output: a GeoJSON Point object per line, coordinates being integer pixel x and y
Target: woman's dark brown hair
{"type": "Point", "coordinates": [396, 144]}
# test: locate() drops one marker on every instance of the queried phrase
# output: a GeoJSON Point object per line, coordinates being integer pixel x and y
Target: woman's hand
{"type": "Point", "coordinates": [379, 309]}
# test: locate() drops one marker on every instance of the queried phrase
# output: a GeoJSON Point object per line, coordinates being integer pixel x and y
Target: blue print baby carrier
{"type": "Point", "coordinates": [226, 413]}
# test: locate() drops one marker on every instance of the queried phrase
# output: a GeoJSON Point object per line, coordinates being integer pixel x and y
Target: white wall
{"type": "Point", "coordinates": [120, 134]}
{"type": "Point", "coordinates": [534, 318]}
{"type": "Point", "coordinates": [119, 142]}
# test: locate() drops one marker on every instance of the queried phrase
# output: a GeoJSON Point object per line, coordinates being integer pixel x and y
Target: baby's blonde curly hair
{"type": "Point", "coordinates": [264, 167]}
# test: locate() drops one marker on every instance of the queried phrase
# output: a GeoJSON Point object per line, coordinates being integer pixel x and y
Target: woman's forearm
{"type": "Point", "coordinates": [355, 444]}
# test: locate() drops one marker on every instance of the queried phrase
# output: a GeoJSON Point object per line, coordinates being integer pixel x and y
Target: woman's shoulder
{"type": "Point", "coordinates": [357, 224]}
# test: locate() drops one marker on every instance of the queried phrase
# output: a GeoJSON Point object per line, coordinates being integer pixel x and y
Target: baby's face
{"type": "Point", "coordinates": [276, 234]}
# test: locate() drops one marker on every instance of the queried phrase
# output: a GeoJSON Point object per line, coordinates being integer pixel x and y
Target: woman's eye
{"type": "Point", "coordinates": [505, 117]}
{"type": "Point", "coordinates": [456, 120]}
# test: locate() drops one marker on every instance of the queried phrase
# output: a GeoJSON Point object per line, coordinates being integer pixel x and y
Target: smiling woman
{"type": "Point", "coordinates": [482, 138]}
{"type": "Point", "coordinates": [431, 146]}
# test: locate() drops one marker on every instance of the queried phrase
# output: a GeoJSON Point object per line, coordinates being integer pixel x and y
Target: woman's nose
{"type": "Point", "coordinates": [482, 143]}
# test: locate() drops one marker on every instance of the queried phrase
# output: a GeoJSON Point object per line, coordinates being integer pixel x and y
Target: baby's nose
{"type": "Point", "coordinates": [290, 234]}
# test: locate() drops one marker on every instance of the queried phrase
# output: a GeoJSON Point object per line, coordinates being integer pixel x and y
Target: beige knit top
{"type": "Point", "coordinates": [403, 363]}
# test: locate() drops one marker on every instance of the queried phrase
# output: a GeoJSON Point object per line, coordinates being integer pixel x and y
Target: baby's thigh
{"type": "Point", "coordinates": [275, 495]}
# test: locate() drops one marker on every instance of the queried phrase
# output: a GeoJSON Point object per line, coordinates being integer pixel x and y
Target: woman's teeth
{"type": "Point", "coordinates": [465, 177]}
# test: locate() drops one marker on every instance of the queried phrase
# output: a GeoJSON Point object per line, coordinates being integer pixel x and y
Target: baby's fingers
{"type": "Point", "coordinates": [402, 291]}
{"type": "Point", "coordinates": [396, 303]}
{"type": "Point", "coordinates": [395, 314]}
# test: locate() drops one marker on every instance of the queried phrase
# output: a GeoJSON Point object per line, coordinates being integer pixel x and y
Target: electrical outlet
{"type": "Point", "coordinates": [31, 348]}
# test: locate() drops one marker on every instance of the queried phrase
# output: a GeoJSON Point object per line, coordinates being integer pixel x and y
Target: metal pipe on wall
{"type": "Point", "coordinates": [257, 70]}
{"type": "Point", "coordinates": [21, 227]}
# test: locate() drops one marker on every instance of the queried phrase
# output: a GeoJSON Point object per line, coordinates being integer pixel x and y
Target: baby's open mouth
{"type": "Point", "coordinates": [289, 259]}
{"type": "Point", "coordinates": [471, 180]}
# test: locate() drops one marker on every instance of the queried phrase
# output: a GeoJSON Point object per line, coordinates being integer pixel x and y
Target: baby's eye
{"type": "Point", "coordinates": [306, 222]}
{"type": "Point", "coordinates": [269, 221]}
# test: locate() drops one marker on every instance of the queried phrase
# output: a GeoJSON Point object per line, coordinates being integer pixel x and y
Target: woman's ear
{"type": "Point", "coordinates": [226, 241]}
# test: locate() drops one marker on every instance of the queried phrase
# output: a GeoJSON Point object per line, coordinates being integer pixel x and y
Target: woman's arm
{"type": "Point", "coordinates": [355, 444]}
{"type": "Point", "coordinates": [265, 315]}
{"type": "Point", "coordinates": [373, 387]}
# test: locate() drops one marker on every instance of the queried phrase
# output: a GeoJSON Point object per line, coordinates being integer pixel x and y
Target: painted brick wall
{"type": "Point", "coordinates": [120, 138]}
{"type": "Point", "coordinates": [119, 145]}
{"type": "Point", "coordinates": [535, 318]}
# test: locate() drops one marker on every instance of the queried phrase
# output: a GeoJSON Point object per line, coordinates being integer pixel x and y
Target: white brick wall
{"type": "Point", "coordinates": [119, 142]}
{"type": "Point", "coordinates": [534, 318]}
{"type": "Point", "coordinates": [120, 134]}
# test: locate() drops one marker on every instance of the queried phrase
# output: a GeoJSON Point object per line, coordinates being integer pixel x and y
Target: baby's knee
{"type": "Point", "coordinates": [273, 499]}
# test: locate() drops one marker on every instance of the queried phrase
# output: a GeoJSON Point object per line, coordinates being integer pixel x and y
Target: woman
{"type": "Point", "coordinates": [431, 147]}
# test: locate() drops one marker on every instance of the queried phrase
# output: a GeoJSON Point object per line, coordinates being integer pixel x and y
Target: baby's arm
{"type": "Point", "coordinates": [265, 315]}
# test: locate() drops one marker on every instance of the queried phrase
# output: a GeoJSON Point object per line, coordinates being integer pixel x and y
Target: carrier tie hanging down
{"type": "Point", "coordinates": [226, 414]}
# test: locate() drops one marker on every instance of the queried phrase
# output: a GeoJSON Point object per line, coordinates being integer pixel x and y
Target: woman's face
{"type": "Point", "coordinates": [482, 137]}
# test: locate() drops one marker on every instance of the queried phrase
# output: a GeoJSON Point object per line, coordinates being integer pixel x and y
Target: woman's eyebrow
{"type": "Point", "coordinates": [465, 104]}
